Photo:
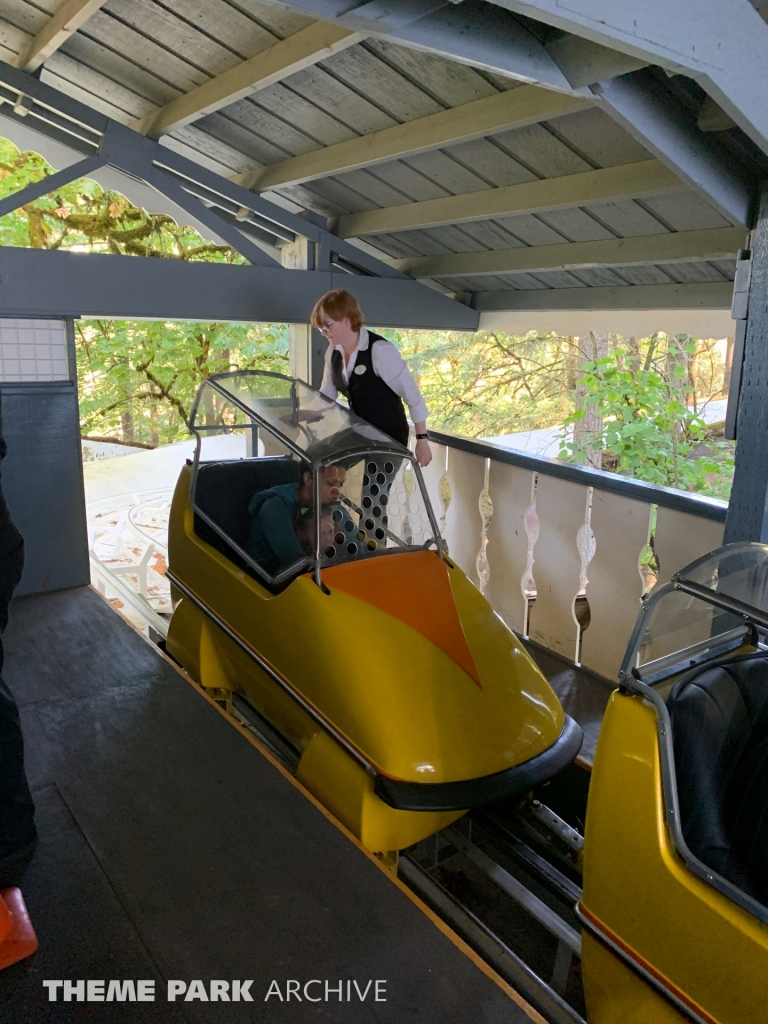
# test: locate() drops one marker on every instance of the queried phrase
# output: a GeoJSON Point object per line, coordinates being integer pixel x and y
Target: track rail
{"type": "Point", "coordinates": [511, 904]}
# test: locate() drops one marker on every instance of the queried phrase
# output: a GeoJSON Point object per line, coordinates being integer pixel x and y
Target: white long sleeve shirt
{"type": "Point", "coordinates": [388, 364]}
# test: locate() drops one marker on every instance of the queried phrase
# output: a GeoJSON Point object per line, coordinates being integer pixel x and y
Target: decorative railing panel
{"type": "Point", "coordinates": [558, 548]}
{"type": "Point", "coordinates": [621, 527]}
{"type": "Point", "coordinates": [512, 493]}
{"type": "Point", "coordinates": [681, 537]}
{"type": "Point", "coordinates": [436, 480]}
{"type": "Point", "coordinates": [466, 475]}
{"type": "Point", "coordinates": [562, 510]}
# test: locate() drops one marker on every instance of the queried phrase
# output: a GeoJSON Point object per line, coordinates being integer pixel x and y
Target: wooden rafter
{"type": "Point", "coordinates": [67, 20]}
{"type": "Point", "coordinates": [627, 181]}
{"type": "Point", "coordinates": [310, 45]}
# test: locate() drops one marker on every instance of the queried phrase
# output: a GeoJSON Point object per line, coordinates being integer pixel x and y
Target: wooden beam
{"type": "Point", "coordinates": [708, 244]}
{"type": "Point", "coordinates": [67, 20]}
{"type": "Point", "coordinates": [715, 295]}
{"type": "Point", "coordinates": [310, 45]}
{"type": "Point", "coordinates": [516, 108]}
{"type": "Point", "coordinates": [628, 181]}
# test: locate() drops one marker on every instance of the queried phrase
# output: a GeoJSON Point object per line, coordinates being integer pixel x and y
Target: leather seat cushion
{"type": "Point", "coordinates": [224, 491]}
{"type": "Point", "coordinates": [719, 721]}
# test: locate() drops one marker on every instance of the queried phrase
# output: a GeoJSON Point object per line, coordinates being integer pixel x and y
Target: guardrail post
{"type": "Point", "coordinates": [748, 506]}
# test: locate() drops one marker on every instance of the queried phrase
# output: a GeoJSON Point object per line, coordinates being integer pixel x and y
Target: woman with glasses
{"type": "Point", "coordinates": [370, 372]}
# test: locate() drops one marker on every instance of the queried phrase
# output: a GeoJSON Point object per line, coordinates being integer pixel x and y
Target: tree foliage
{"type": "Point", "coordinates": [646, 426]}
{"type": "Point", "coordinates": [82, 215]}
{"type": "Point", "coordinates": [137, 380]}
{"type": "Point", "coordinates": [490, 383]}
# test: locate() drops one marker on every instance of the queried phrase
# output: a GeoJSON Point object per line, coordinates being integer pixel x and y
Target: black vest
{"type": "Point", "coordinates": [369, 396]}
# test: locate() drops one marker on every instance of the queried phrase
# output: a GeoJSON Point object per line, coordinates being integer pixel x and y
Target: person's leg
{"type": "Point", "coordinates": [18, 835]}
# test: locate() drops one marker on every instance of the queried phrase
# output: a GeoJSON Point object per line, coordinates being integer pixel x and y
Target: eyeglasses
{"type": "Point", "coordinates": [324, 329]}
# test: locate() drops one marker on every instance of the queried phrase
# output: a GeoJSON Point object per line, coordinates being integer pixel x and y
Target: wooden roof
{"type": "Point", "coordinates": [132, 58]}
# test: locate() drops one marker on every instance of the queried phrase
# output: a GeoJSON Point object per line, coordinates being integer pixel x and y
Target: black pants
{"type": "Point", "coordinates": [18, 835]}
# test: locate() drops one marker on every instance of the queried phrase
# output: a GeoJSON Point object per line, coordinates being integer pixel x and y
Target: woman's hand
{"type": "Point", "coordinates": [423, 453]}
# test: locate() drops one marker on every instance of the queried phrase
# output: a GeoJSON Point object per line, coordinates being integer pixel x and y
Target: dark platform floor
{"type": "Point", "coordinates": [172, 849]}
{"type": "Point", "coordinates": [582, 693]}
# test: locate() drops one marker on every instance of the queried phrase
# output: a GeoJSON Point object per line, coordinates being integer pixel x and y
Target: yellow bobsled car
{"type": "Point", "coordinates": [675, 899]}
{"type": "Point", "coordinates": [408, 700]}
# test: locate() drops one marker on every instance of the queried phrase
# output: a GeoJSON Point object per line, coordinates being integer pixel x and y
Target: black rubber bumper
{"type": "Point", "coordinates": [459, 796]}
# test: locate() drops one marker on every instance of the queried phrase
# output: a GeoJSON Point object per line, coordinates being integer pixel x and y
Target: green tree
{"type": "Point", "coordinates": [138, 380]}
{"type": "Point", "coordinates": [646, 427]}
{"type": "Point", "coordinates": [490, 383]}
{"type": "Point", "coordinates": [82, 215]}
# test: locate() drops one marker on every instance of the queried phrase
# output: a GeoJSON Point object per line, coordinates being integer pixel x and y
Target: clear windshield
{"type": "Point", "coordinates": [303, 417]}
{"type": "Point", "coordinates": [312, 485]}
{"type": "Point", "coordinates": [682, 626]}
{"type": "Point", "coordinates": [738, 571]}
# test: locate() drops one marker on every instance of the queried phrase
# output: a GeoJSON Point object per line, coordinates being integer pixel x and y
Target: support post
{"type": "Point", "coordinates": [306, 345]}
{"type": "Point", "coordinates": [748, 507]}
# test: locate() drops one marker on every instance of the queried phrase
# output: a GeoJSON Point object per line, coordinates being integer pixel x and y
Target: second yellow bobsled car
{"type": "Point", "coordinates": [408, 700]}
{"type": "Point", "coordinates": [675, 901]}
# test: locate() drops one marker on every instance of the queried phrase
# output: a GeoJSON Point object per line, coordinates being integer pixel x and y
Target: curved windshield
{"type": "Point", "coordinates": [318, 486]}
{"type": "Point", "coordinates": [738, 571]}
{"type": "Point", "coordinates": [681, 630]}
{"type": "Point", "coordinates": [302, 417]}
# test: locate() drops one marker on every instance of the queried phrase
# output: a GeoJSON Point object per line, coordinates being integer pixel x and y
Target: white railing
{"type": "Point", "coordinates": [536, 534]}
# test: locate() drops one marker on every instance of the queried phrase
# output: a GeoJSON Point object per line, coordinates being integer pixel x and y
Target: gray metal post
{"type": "Point", "coordinates": [748, 507]}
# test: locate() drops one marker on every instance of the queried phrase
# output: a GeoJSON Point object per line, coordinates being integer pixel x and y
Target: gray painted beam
{"type": "Point", "coordinates": [125, 149]}
{"type": "Point", "coordinates": [716, 295]}
{"type": "Point", "coordinates": [36, 282]}
{"type": "Point", "coordinates": [473, 32]}
{"type": "Point", "coordinates": [721, 45]}
{"type": "Point", "coordinates": [170, 188]}
{"type": "Point", "coordinates": [748, 507]}
{"type": "Point", "coordinates": [658, 122]}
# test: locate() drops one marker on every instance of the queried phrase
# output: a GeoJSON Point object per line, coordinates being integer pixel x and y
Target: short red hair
{"type": "Point", "coordinates": [337, 305]}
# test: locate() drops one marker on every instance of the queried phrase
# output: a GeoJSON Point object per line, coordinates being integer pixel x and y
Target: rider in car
{"type": "Point", "coordinates": [273, 541]}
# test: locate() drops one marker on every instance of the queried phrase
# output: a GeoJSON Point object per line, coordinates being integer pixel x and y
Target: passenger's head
{"type": "Point", "coordinates": [305, 529]}
{"type": "Point", "coordinates": [331, 481]}
{"type": "Point", "coordinates": [336, 314]}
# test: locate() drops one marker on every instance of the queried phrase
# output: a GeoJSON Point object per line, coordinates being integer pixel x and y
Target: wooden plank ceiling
{"type": "Point", "coordinates": [129, 58]}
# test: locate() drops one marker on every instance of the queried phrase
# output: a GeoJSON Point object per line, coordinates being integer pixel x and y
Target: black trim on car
{"type": "Point", "coordinates": [458, 796]}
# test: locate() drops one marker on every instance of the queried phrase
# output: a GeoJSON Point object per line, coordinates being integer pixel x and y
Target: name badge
{"type": "Point", "coordinates": [360, 369]}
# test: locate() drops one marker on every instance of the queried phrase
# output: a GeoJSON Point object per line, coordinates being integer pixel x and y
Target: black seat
{"type": "Point", "coordinates": [719, 718]}
{"type": "Point", "coordinates": [224, 491]}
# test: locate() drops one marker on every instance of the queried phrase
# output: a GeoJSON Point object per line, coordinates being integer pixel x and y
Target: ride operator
{"type": "Point", "coordinates": [370, 372]}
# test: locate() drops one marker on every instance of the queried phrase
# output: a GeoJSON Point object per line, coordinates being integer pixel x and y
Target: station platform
{"type": "Point", "coordinates": [173, 848]}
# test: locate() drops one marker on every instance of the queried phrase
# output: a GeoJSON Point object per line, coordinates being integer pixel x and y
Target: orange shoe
{"type": "Point", "coordinates": [17, 936]}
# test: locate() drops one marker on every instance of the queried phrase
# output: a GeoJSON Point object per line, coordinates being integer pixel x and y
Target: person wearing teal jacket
{"type": "Point", "coordinates": [273, 541]}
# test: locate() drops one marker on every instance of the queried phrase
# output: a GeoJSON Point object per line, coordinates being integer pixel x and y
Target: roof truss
{"type": "Point", "coordinates": [223, 206]}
